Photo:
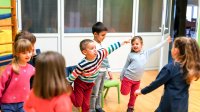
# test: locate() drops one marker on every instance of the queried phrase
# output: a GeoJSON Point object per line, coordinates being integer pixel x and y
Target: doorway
{"type": "Point", "coordinates": [191, 18]}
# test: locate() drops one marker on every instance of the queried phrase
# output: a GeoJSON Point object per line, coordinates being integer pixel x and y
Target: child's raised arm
{"type": "Point", "coordinates": [158, 46]}
{"type": "Point", "coordinates": [115, 46]}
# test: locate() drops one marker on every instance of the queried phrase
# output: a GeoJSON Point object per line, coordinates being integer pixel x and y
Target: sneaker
{"type": "Point", "coordinates": [99, 110]}
{"type": "Point", "coordinates": [130, 110]}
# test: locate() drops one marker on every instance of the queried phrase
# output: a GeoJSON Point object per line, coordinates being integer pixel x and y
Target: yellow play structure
{"type": "Point", "coordinates": [8, 25]}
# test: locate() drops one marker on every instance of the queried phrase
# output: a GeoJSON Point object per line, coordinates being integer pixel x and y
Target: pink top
{"type": "Point", "coordinates": [19, 86]}
{"type": "Point", "coordinates": [60, 103]}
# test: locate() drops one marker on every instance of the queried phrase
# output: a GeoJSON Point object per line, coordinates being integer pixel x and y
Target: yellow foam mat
{"type": "Point", "coordinates": [5, 36]}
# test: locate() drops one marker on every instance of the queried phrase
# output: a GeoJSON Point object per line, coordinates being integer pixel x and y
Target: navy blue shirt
{"type": "Point", "coordinates": [175, 97]}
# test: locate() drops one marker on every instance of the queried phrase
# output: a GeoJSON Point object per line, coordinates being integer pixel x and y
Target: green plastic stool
{"type": "Point", "coordinates": [107, 85]}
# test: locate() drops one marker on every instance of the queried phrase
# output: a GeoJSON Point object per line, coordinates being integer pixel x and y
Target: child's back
{"type": "Point", "coordinates": [50, 90]}
{"type": "Point", "coordinates": [61, 103]}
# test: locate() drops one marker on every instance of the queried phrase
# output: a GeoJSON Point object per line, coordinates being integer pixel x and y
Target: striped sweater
{"type": "Point", "coordinates": [86, 70]}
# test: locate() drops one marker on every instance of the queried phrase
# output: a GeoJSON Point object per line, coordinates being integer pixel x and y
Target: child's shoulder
{"type": "Point", "coordinates": [8, 67]}
{"type": "Point", "coordinates": [30, 66]}
{"type": "Point", "coordinates": [172, 66]}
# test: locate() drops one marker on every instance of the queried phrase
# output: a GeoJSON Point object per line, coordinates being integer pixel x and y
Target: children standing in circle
{"type": "Point", "coordinates": [134, 68]}
{"type": "Point", "coordinates": [99, 32]}
{"type": "Point", "coordinates": [19, 73]}
{"type": "Point", "coordinates": [50, 91]}
{"type": "Point", "coordinates": [177, 76]}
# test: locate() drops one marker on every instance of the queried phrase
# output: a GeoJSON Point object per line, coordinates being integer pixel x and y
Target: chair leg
{"type": "Point", "coordinates": [106, 92]}
{"type": "Point", "coordinates": [118, 94]}
{"type": "Point", "coordinates": [102, 99]}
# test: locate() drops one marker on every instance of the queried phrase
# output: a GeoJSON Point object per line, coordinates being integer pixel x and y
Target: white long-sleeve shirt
{"type": "Point", "coordinates": [135, 64]}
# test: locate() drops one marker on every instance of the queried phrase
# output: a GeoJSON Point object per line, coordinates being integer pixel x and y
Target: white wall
{"type": "Point", "coordinates": [47, 43]}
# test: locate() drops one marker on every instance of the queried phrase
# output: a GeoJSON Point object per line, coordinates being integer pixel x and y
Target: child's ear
{"type": "Point", "coordinates": [84, 52]}
{"type": "Point", "coordinates": [176, 51]}
{"type": "Point", "coordinates": [95, 33]}
{"type": "Point", "coordinates": [17, 54]}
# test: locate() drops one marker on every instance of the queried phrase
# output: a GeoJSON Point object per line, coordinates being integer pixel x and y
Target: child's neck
{"type": "Point", "coordinates": [89, 59]}
{"type": "Point", "coordinates": [20, 63]}
{"type": "Point", "coordinates": [97, 41]}
{"type": "Point", "coordinates": [176, 60]}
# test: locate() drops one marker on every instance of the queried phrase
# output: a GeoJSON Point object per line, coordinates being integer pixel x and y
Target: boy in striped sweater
{"type": "Point", "coordinates": [86, 71]}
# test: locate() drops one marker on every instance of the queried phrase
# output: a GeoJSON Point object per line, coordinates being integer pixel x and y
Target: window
{"type": "Point", "coordinates": [39, 16]}
{"type": "Point", "coordinates": [150, 14]}
{"type": "Point", "coordinates": [191, 12]}
{"type": "Point", "coordinates": [117, 15]}
{"type": "Point", "coordinates": [79, 15]}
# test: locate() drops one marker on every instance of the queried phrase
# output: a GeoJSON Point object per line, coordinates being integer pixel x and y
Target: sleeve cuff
{"type": "Point", "coordinates": [109, 69]}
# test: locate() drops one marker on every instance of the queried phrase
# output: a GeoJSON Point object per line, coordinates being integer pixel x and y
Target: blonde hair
{"type": "Point", "coordinates": [50, 76]}
{"type": "Point", "coordinates": [20, 46]}
{"type": "Point", "coordinates": [189, 57]}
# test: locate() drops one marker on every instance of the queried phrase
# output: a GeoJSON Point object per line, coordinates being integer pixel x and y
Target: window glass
{"type": "Point", "coordinates": [117, 15]}
{"type": "Point", "coordinates": [79, 15]}
{"type": "Point", "coordinates": [150, 15]}
{"type": "Point", "coordinates": [39, 16]}
{"type": "Point", "coordinates": [189, 13]}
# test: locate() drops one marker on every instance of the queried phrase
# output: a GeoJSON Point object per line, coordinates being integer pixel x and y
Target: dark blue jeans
{"type": "Point", "coordinates": [12, 107]}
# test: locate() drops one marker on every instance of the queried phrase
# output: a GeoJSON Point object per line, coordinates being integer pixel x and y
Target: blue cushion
{"type": "Point", "coordinates": [69, 70]}
{"type": "Point", "coordinates": [6, 59]}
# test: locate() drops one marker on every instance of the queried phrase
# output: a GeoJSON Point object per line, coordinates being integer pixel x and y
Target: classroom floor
{"type": "Point", "coordinates": [149, 102]}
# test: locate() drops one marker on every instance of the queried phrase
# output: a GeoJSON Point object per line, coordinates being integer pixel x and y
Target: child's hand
{"type": "Point", "coordinates": [137, 92]}
{"type": "Point", "coordinates": [110, 75]}
{"type": "Point", "coordinates": [126, 42]}
{"type": "Point", "coordinates": [169, 39]}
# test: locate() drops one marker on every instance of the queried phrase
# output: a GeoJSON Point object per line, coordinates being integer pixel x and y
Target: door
{"type": "Point", "coordinates": [165, 31]}
{"type": "Point", "coordinates": [153, 23]}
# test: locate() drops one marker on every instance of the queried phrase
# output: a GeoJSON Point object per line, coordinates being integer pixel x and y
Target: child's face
{"type": "Point", "coordinates": [99, 37]}
{"type": "Point", "coordinates": [90, 52]}
{"type": "Point", "coordinates": [137, 45]}
{"type": "Point", "coordinates": [24, 57]}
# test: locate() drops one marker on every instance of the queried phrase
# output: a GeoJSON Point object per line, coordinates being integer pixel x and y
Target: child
{"type": "Point", "coordinates": [49, 93]}
{"type": "Point", "coordinates": [86, 72]}
{"type": "Point", "coordinates": [177, 76]}
{"type": "Point", "coordinates": [15, 78]}
{"type": "Point", "coordinates": [99, 32]}
{"type": "Point", "coordinates": [29, 36]}
{"type": "Point", "coordinates": [134, 68]}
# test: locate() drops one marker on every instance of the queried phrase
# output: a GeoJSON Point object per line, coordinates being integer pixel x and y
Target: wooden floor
{"type": "Point", "coordinates": [149, 102]}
